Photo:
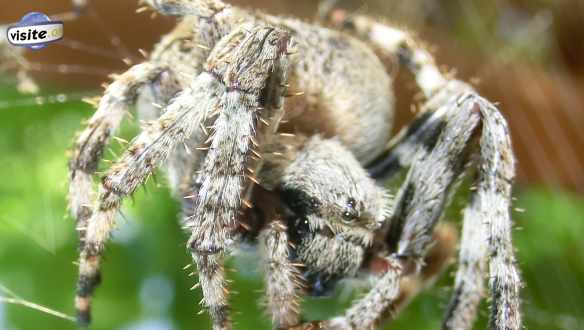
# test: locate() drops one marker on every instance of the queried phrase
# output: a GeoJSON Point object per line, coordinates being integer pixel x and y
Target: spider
{"type": "Point", "coordinates": [276, 132]}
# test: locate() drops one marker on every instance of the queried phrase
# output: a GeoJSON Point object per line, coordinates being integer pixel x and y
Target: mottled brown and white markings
{"type": "Point", "coordinates": [296, 175]}
{"type": "Point", "coordinates": [283, 279]}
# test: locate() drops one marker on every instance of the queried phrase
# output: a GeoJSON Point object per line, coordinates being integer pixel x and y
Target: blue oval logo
{"type": "Point", "coordinates": [35, 31]}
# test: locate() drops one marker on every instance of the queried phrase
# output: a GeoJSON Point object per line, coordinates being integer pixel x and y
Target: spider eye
{"type": "Point", "coordinates": [350, 214]}
{"type": "Point", "coordinates": [314, 203]}
{"type": "Point", "coordinates": [351, 203]}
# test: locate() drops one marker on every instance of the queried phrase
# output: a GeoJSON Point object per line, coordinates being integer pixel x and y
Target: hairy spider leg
{"type": "Point", "coordinates": [423, 196]}
{"type": "Point", "coordinates": [90, 143]}
{"type": "Point", "coordinates": [157, 139]}
{"type": "Point", "coordinates": [251, 66]}
{"type": "Point", "coordinates": [495, 146]}
{"type": "Point", "coordinates": [283, 281]}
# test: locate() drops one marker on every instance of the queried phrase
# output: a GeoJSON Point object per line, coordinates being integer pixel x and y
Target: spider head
{"type": "Point", "coordinates": [329, 189]}
{"type": "Point", "coordinates": [336, 208]}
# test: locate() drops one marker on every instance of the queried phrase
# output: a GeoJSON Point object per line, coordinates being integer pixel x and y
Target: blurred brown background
{"type": "Point", "coordinates": [526, 55]}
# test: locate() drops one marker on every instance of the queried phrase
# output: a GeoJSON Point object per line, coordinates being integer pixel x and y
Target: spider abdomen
{"type": "Point", "coordinates": [339, 97]}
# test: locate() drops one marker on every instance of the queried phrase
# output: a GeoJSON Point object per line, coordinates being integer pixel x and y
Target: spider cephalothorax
{"type": "Point", "coordinates": [337, 211]}
{"type": "Point", "coordinates": [277, 132]}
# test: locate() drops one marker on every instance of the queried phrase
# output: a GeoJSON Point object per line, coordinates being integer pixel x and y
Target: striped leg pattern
{"type": "Point", "coordinates": [282, 277]}
{"type": "Point", "coordinates": [420, 203]}
{"type": "Point", "coordinates": [90, 144]}
{"type": "Point", "coordinates": [487, 224]}
{"type": "Point", "coordinates": [231, 88]}
{"type": "Point", "coordinates": [184, 115]}
{"type": "Point", "coordinates": [252, 70]}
